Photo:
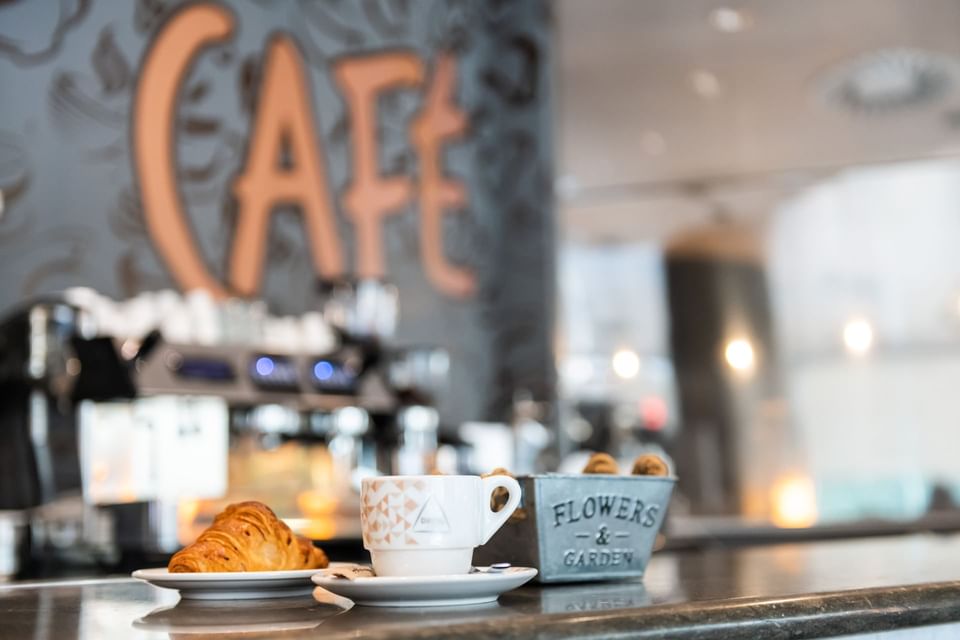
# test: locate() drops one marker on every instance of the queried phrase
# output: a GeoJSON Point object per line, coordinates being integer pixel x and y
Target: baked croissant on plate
{"type": "Point", "coordinates": [247, 536]}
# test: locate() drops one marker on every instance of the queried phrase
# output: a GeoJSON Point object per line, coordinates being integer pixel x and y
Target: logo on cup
{"type": "Point", "coordinates": [431, 519]}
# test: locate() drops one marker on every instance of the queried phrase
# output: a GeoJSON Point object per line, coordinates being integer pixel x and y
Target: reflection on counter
{"type": "Point", "coordinates": [197, 617]}
{"type": "Point", "coordinates": [571, 598]}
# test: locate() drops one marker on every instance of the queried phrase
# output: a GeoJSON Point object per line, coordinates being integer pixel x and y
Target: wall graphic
{"type": "Point", "coordinates": [252, 147]}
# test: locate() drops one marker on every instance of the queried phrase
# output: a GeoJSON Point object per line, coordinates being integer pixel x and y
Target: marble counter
{"type": "Point", "coordinates": [784, 591]}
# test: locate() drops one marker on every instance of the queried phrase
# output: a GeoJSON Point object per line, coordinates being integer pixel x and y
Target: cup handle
{"type": "Point", "coordinates": [493, 520]}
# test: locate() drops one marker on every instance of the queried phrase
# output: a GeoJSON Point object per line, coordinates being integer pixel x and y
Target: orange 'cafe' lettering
{"type": "Point", "coordinates": [284, 115]}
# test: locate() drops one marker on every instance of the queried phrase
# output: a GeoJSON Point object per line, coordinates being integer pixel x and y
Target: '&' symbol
{"type": "Point", "coordinates": [603, 535]}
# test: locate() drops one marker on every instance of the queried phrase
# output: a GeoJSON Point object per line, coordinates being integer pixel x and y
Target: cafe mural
{"type": "Point", "coordinates": [257, 148]}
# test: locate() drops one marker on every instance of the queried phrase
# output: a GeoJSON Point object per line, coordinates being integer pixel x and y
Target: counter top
{"type": "Point", "coordinates": [794, 591]}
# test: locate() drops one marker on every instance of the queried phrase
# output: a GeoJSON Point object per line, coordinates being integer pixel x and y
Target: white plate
{"type": "Point", "coordinates": [424, 591]}
{"type": "Point", "coordinates": [232, 585]}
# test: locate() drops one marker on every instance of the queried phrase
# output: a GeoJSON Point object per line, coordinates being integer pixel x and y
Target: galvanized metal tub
{"type": "Point", "coordinates": [582, 527]}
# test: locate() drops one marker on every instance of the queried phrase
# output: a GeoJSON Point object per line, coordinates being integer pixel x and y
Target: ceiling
{"type": "Point", "coordinates": [664, 120]}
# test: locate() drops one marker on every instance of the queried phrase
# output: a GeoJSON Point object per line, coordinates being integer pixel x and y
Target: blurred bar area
{"type": "Point", "coordinates": [130, 425]}
{"type": "Point", "coordinates": [756, 238]}
{"type": "Point", "coordinates": [258, 250]}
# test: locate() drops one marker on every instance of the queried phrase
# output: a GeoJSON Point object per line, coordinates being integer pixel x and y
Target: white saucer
{"type": "Point", "coordinates": [424, 591]}
{"type": "Point", "coordinates": [239, 585]}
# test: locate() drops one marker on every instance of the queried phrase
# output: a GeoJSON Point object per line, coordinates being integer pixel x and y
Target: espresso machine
{"type": "Point", "coordinates": [125, 426]}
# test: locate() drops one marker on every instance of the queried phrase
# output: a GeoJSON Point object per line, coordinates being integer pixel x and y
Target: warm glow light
{"type": "Point", "coordinates": [187, 511]}
{"type": "Point", "coordinates": [729, 20]}
{"type": "Point", "coordinates": [794, 502]}
{"type": "Point", "coordinates": [127, 494]}
{"type": "Point", "coordinates": [858, 336]}
{"type": "Point", "coordinates": [739, 355]}
{"type": "Point", "coordinates": [316, 503]}
{"type": "Point", "coordinates": [626, 363]}
{"type": "Point", "coordinates": [317, 528]}
{"type": "Point", "coordinates": [705, 83]}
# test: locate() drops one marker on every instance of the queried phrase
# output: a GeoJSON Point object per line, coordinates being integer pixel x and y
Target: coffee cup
{"type": "Point", "coordinates": [429, 525]}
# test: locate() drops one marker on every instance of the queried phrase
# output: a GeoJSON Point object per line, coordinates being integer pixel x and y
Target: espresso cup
{"type": "Point", "coordinates": [429, 525]}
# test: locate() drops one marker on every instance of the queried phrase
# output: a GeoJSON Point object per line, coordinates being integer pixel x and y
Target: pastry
{"type": "Point", "coordinates": [650, 464]}
{"type": "Point", "coordinates": [247, 536]}
{"type": "Point", "coordinates": [601, 463]}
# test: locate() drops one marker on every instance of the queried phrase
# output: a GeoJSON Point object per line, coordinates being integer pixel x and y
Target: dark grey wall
{"type": "Point", "coordinates": [73, 216]}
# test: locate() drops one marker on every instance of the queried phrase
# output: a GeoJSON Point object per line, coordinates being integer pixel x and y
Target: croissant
{"type": "Point", "coordinates": [247, 536]}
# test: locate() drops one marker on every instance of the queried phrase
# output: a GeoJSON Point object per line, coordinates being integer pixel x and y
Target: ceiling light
{"type": "Point", "coordinates": [739, 355]}
{"type": "Point", "coordinates": [705, 83]}
{"type": "Point", "coordinates": [626, 363]}
{"type": "Point", "coordinates": [858, 337]}
{"type": "Point", "coordinates": [729, 20]}
{"type": "Point", "coordinates": [889, 80]}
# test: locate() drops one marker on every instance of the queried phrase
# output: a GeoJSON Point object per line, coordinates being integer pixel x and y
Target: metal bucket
{"type": "Point", "coordinates": [582, 527]}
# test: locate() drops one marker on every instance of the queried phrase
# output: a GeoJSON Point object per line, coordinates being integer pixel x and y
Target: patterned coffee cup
{"type": "Point", "coordinates": [429, 525]}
